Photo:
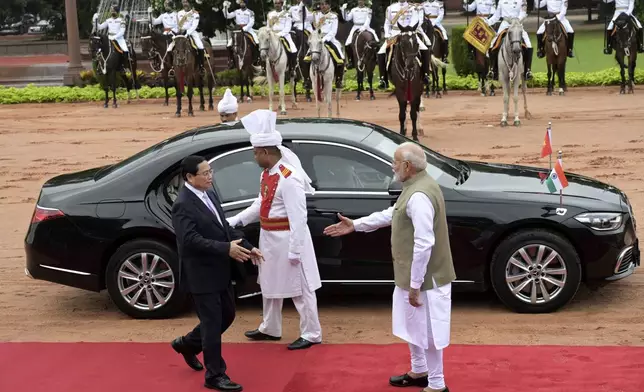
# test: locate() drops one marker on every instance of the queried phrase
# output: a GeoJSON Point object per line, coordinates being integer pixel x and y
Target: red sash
{"type": "Point", "coordinates": [268, 188]}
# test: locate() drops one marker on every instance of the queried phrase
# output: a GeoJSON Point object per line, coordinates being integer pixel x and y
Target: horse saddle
{"type": "Point", "coordinates": [559, 24]}
{"type": "Point", "coordinates": [439, 32]}
{"type": "Point", "coordinates": [116, 46]}
{"type": "Point", "coordinates": [500, 39]}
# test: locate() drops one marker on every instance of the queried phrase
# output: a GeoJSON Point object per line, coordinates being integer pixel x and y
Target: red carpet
{"type": "Point", "coordinates": [124, 367]}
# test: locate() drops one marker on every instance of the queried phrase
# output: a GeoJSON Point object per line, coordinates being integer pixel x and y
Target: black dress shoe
{"type": "Point", "coordinates": [257, 335]}
{"type": "Point", "coordinates": [300, 344]}
{"type": "Point", "coordinates": [407, 381]}
{"type": "Point", "coordinates": [190, 358]}
{"type": "Point", "coordinates": [223, 383]}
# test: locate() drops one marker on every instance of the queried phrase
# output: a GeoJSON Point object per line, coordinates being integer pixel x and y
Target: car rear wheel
{"type": "Point", "coordinates": [142, 280]}
{"type": "Point", "coordinates": [535, 271]}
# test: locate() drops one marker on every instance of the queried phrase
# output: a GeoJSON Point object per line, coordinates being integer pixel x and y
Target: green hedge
{"type": "Point", "coordinates": [463, 65]}
{"type": "Point", "coordinates": [34, 94]}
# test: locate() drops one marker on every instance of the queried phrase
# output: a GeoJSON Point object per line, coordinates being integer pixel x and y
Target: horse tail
{"type": "Point", "coordinates": [438, 63]}
{"type": "Point", "coordinates": [260, 80]}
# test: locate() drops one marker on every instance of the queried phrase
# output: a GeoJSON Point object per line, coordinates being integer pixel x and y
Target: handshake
{"type": "Point", "coordinates": [242, 254]}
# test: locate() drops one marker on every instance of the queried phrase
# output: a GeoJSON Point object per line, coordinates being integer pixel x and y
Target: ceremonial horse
{"type": "Point", "coordinates": [186, 68]}
{"type": "Point", "coordinates": [406, 76]}
{"type": "Point", "coordinates": [108, 60]}
{"type": "Point", "coordinates": [156, 45]}
{"type": "Point", "coordinates": [511, 70]}
{"type": "Point", "coordinates": [272, 51]}
{"type": "Point", "coordinates": [243, 62]}
{"type": "Point", "coordinates": [322, 73]}
{"type": "Point", "coordinates": [556, 50]}
{"type": "Point", "coordinates": [437, 51]}
{"type": "Point", "coordinates": [365, 47]}
{"type": "Point", "coordinates": [302, 71]}
{"type": "Point", "coordinates": [624, 43]}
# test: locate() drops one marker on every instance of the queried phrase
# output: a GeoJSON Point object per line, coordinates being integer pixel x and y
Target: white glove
{"type": "Point", "coordinates": [344, 6]}
{"type": "Point", "coordinates": [150, 10]}
{"type": "Point", "coordinates": [226, 4]}
{"type": "Point", "coordinates": [95, 17]}
{"type": "Point", "coordinates": [111, 37]}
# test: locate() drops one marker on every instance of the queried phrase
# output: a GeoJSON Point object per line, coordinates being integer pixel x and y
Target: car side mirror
{"type": "Point", "coordinates": [395, 188]}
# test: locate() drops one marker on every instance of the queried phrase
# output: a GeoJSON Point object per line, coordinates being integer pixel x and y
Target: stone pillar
{"type": "Point", "coordinates": [72, 75]}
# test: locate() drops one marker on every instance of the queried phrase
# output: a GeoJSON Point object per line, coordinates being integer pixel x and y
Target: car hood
{"type": "Point", "coordinates": [523, 181]}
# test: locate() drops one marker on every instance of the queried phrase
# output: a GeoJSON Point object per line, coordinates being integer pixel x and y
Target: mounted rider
{"type": "Point", "coordinates": [361, 17]}
{"type": "Point", "coordinates": [244, 19]}
{"type": "Point", "coordinates": [188, 21]}
{"type": "Point", "coordinates": [508, 9]}
{"type": "Point", "coordinates": [279, 21]}
{"type": "Point", "coordinates": [115, 25]}
{"type": "Point", "coordinates": [296, 17]}
{"type": "Point", "coordinates": [558, 8]}
{"type": "Point", "coordinates": [406, 15]}
{"type": "Point", "coordinates": [326, 22]}
{"type": "Point", "coordinates": [170, 23]}
{"type": "Point", "coordinates": [435, 11]}
{"type": "Point", "coordinates": [624, 7]}
{"type": "Point", "coordinates": [484, 9]}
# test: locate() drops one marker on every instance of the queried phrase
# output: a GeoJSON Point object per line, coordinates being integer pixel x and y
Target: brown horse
{"type": "Point", "coordinates": [302, 71]}
{"type": "Point", "coordinates": [243, 62]}
{"type": "Point", "coordinates": [186, 69]}
{"type": "Point", "coordinates": [156, 45]}
{"type": "Point", "coordinates": [624, 42]}
{"type": "Point", "coordinates": [365, 47]}
{"type": "Point", "coordinates": [556, 50]}
{"type": "Point", "coordinates": [439, 51]}
{"type": "Point", "coordinates": [406, 77]}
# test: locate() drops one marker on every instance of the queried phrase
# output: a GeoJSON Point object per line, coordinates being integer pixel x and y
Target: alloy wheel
{"type": "Point", "coordinates": [146, 281]}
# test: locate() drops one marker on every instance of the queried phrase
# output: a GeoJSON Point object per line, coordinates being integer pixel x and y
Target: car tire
{"type": "Point", "coordinates": [158, 284]}
{"type": "Point", "coordinates": [564, 270]}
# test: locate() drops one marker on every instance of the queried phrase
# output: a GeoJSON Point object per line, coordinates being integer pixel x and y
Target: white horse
{"type": "Point", "coordinates": [322, 74]}
{"type": "Point", "coordinates": [511, 69]}
{"type": "Point", "coordinates": [274, 54]}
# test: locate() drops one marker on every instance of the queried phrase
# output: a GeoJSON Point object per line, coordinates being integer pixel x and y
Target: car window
{"type": "Point", "coordinates": [335, 168]}
{"type": "Point", "coordinates": [236, 176]}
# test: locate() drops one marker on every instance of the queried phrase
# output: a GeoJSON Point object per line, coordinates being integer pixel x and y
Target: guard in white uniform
{"type": "Point", "coordinates": [228, 107]}
{"type": "Point", "coordinates": [557, 8]}
{"type": "Point", "coordinates": [423, 267]}
{"type": "Point", "coordinates": [627, 7]}
{"type": "Point", "coordinates": [484, 9]}
{"type": "Point", "coordinates": [279, 20]}
{"type": "Point", "coordinates": [188, 22]}
{"type": "Point", "coordinates": [290, 269]}
{"type": "Point", "coordinates": [169, 20]}
{"type": "Point", "coordinates": [296, 16]}
{"type": "Point", "coordinates": [361, 17]}
{"type": "Point", "coordinates": [508, 9]}
{"type": "Point", "coordinates": [435, 11]}
{"type": "Point", "coordinates": [115, 26]}
{"type": "Point", "coordinates": [244, 19]}
{"type": "Point", "coordinates": [406, 15]}
{"type": "Point", "coordinates": [326, 22]}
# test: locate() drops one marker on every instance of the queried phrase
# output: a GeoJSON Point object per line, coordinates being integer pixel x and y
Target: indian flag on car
{"type": "Point", "coordinates": [556, 181]}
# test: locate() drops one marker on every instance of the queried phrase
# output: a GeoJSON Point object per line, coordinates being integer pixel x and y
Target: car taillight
{"type": "Point", "coordinates": [45, 213]}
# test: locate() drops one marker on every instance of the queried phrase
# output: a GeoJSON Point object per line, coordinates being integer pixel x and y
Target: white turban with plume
{"type": "Point", "coordinates": [260, 124]}
{"type": "Point", "coordinates": [228, 103]}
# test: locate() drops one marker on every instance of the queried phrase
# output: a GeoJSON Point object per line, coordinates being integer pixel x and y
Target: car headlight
{"type": "Point", "coordinates": [602, 221]}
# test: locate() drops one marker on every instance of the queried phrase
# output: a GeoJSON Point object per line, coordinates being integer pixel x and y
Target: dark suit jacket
{"type": "Point", "coordinates": [203, 244]}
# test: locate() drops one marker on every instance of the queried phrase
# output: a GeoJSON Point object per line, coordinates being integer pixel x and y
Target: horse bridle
{"type": "Point", "coordinates": [240, 57]}
{"type": "Point", "coordinates": [556, 37]}
{"type": "Point", "coordinates": [102, 60]}
{"type": "Point", "coordinates": [153, 52]}
{"type": "Point", "coordinates": [360, 65]}
{"type": "Point", "coordinates": [267, 49]}
{"type": "Point", "coordinates": [185, 51]}
{"type": "Point", "coordinates": [508, 46]}
{"type": "Point", "coordinates": [319, 52]}
{"type": "Point", "coordinates": [405, 72]}
{"type": "Point", "coordinates": [625, 44]}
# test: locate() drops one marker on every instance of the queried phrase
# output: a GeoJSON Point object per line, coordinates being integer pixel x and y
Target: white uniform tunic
{"type": "Point", "coordinates": [361, 17]}
{"type": "Point", "coordinates": [296, 16]}
{"type": "Point", "coordinates": [243, 17]}
{"type": "Point", "coordinates": [404, 14]}
{"type": "Point", "coordinates": [328, 25]}
{"type": "Point", "coordinates": [623, 6]}
{"type": "Point", "coordinates": [435, 11]}
{"type": "Point", "coordinates": [280, 22]}
{"type": "Point", "coordinates": [170, 22]}
{"type": "Point", "coordinates": [484, 8]}
{"type": "Point", "coordinates": [115, 31]}
{"type": "Point", "coordinates": [557, 7]}
{"type": "Point", "coordinates": [189, 21]}
{"type": "Point", "coordinates": [508, 9]}
{"type": "Point", "coordinates": [426, 328]}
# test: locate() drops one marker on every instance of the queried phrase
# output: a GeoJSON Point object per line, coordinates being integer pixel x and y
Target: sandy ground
{"type": "Point", "coordinates": [601, 135]}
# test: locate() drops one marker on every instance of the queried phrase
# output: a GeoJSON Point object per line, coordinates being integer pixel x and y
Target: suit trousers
{"type": "Point", "coordinates": [216, 312]}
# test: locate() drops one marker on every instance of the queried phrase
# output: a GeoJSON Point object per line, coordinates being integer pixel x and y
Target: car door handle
{"type": "Point", "coordinates": [325, 211]}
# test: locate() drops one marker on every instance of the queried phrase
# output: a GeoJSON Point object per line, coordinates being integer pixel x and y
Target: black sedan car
{"type": "Point", "coordinates": [110, 227]}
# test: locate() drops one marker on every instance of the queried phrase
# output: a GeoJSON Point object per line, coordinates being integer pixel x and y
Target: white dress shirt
{"type": "Point", "coordinates": [203, 196]}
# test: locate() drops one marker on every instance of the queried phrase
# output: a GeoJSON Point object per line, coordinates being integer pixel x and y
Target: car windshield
{"type": "Point", "coordinates": [437, 164]}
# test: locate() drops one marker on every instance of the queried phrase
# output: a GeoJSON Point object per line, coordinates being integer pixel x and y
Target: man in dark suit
{"type": "Point", "coordinates": [210, 252]}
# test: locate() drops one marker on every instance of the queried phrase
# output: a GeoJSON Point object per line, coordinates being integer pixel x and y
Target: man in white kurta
{"type": "Point", "coordinates": [228, 107]}
{"type": "Point", "coordinates": [624, 7]}
{"type": "Point", "coordinates": [420, 316]}
{"type": "Point", "coordinates": [290, 269]}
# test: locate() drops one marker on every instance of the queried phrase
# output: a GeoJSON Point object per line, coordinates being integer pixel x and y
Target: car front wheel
{"type": "Point", "coordinates": [142, 279]}
{"type": "Point", "coordinates": [535, 271]}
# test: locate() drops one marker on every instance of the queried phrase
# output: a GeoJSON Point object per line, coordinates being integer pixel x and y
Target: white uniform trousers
{"type": "Point", "coordinates": [252, 32]}
{"type": "Point", "coordinates": [429, 361]}
{"type": "Point", "coordinates": [563, 21]}
{"type": "Point", "coordinates": [195, 36]}
{"type": "Point", "coordinates": [291, 45]}
{"type": "Point", "coordinates": [122, 44]}
{"type": "Point", "coordinates": [504, 25]}
{"type": "Point", "coordinates": [356, 27]}
{"type": "Point", "coordinates": [383, 47]}
{"type": "Point", "coordinates": [616, 14]}
{"type": "Point", "coordinates": [306, 306]}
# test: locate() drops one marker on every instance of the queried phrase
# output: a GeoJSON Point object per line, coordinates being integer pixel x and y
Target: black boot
{"type": "Point", "coordinates": [494, 65]}
{"type": "Point", "coordinates": [608, 49]}
{"type": "Point", "coordinates": [200, 61]}
{"type": "Point", "coordinates": [339, 72]}
{"type": "Point", "coordinates": [350, 62]}
{"type": "Point", "coordinates": [445, 58]}
{"type": "Point", "coordinates": [571, 44]}
{"type": "Point", "coordinates": [231, 58]}
{"type": "Point", "coordinates": [540, 52]}
{"type": "Point", "coordinates": [292, 62]}
{"type": "Point", "coordinates": [382, 67]}
{"type": "Point", "coordinates": [640, 40]}
{"type": "Point", "coordinates": [424, 64]}
{"type": "Point", "coordinates": [527, 63]}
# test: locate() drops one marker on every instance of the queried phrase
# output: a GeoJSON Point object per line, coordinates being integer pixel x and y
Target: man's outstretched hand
{"type": "Point", "coordinates": [344, 227]}
{"type": "Point", "coordinates": [256, 256]}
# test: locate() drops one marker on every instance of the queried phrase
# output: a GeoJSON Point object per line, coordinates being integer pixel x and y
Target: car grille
{"type": "Point", "coordinates": [624, 261]}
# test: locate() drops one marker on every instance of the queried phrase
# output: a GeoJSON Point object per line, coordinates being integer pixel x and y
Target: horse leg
{"type": "Point", "coordinates": [515, 98]}
{"type": "Point", "coordinates": [402, 113]}
{"type": "Point", "coordinates": [413, 113]}
{"type": "Point", "coordinates": [359, 76]}
{"type": "Point", "coordinates": [506, 102]}
{"type": "Point", "coordinates": [560, 77]}
{"type": "Point", "coordinates": [620, 61]}
{"type": "Point", "coordinates": [202, 99]}
{"type": "Point", "coordinates": [107, 94]}
{"type": "Point", "coordinates": [178, 94]}
{"type": "Point", "coordinates": [113, 85]}
{"type": "Point", "coordinates": [370, 76]}
{"type": "Point", "coordinates": [282, 103]}
{"type": "Point", "coordinates": [328, 95]}
{"type": "Point", "coordinates": [165, 79]}
{"type": "Point", "coordinates": [271, 83]}
{"type": "Point", "coordinates": [211, 86]}
{"type": "Point", "coordinates": [631, 71]}
{"type": "Point", "coordinates": [444, 71]}
{"type": "Point", "coordinates": [549, 85]}
{"type": "Point", "coordinates": [190, 93]}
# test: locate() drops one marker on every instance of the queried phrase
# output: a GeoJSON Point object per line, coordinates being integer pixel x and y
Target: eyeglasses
{"type": "Point", "coordinates": [206, 173]}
